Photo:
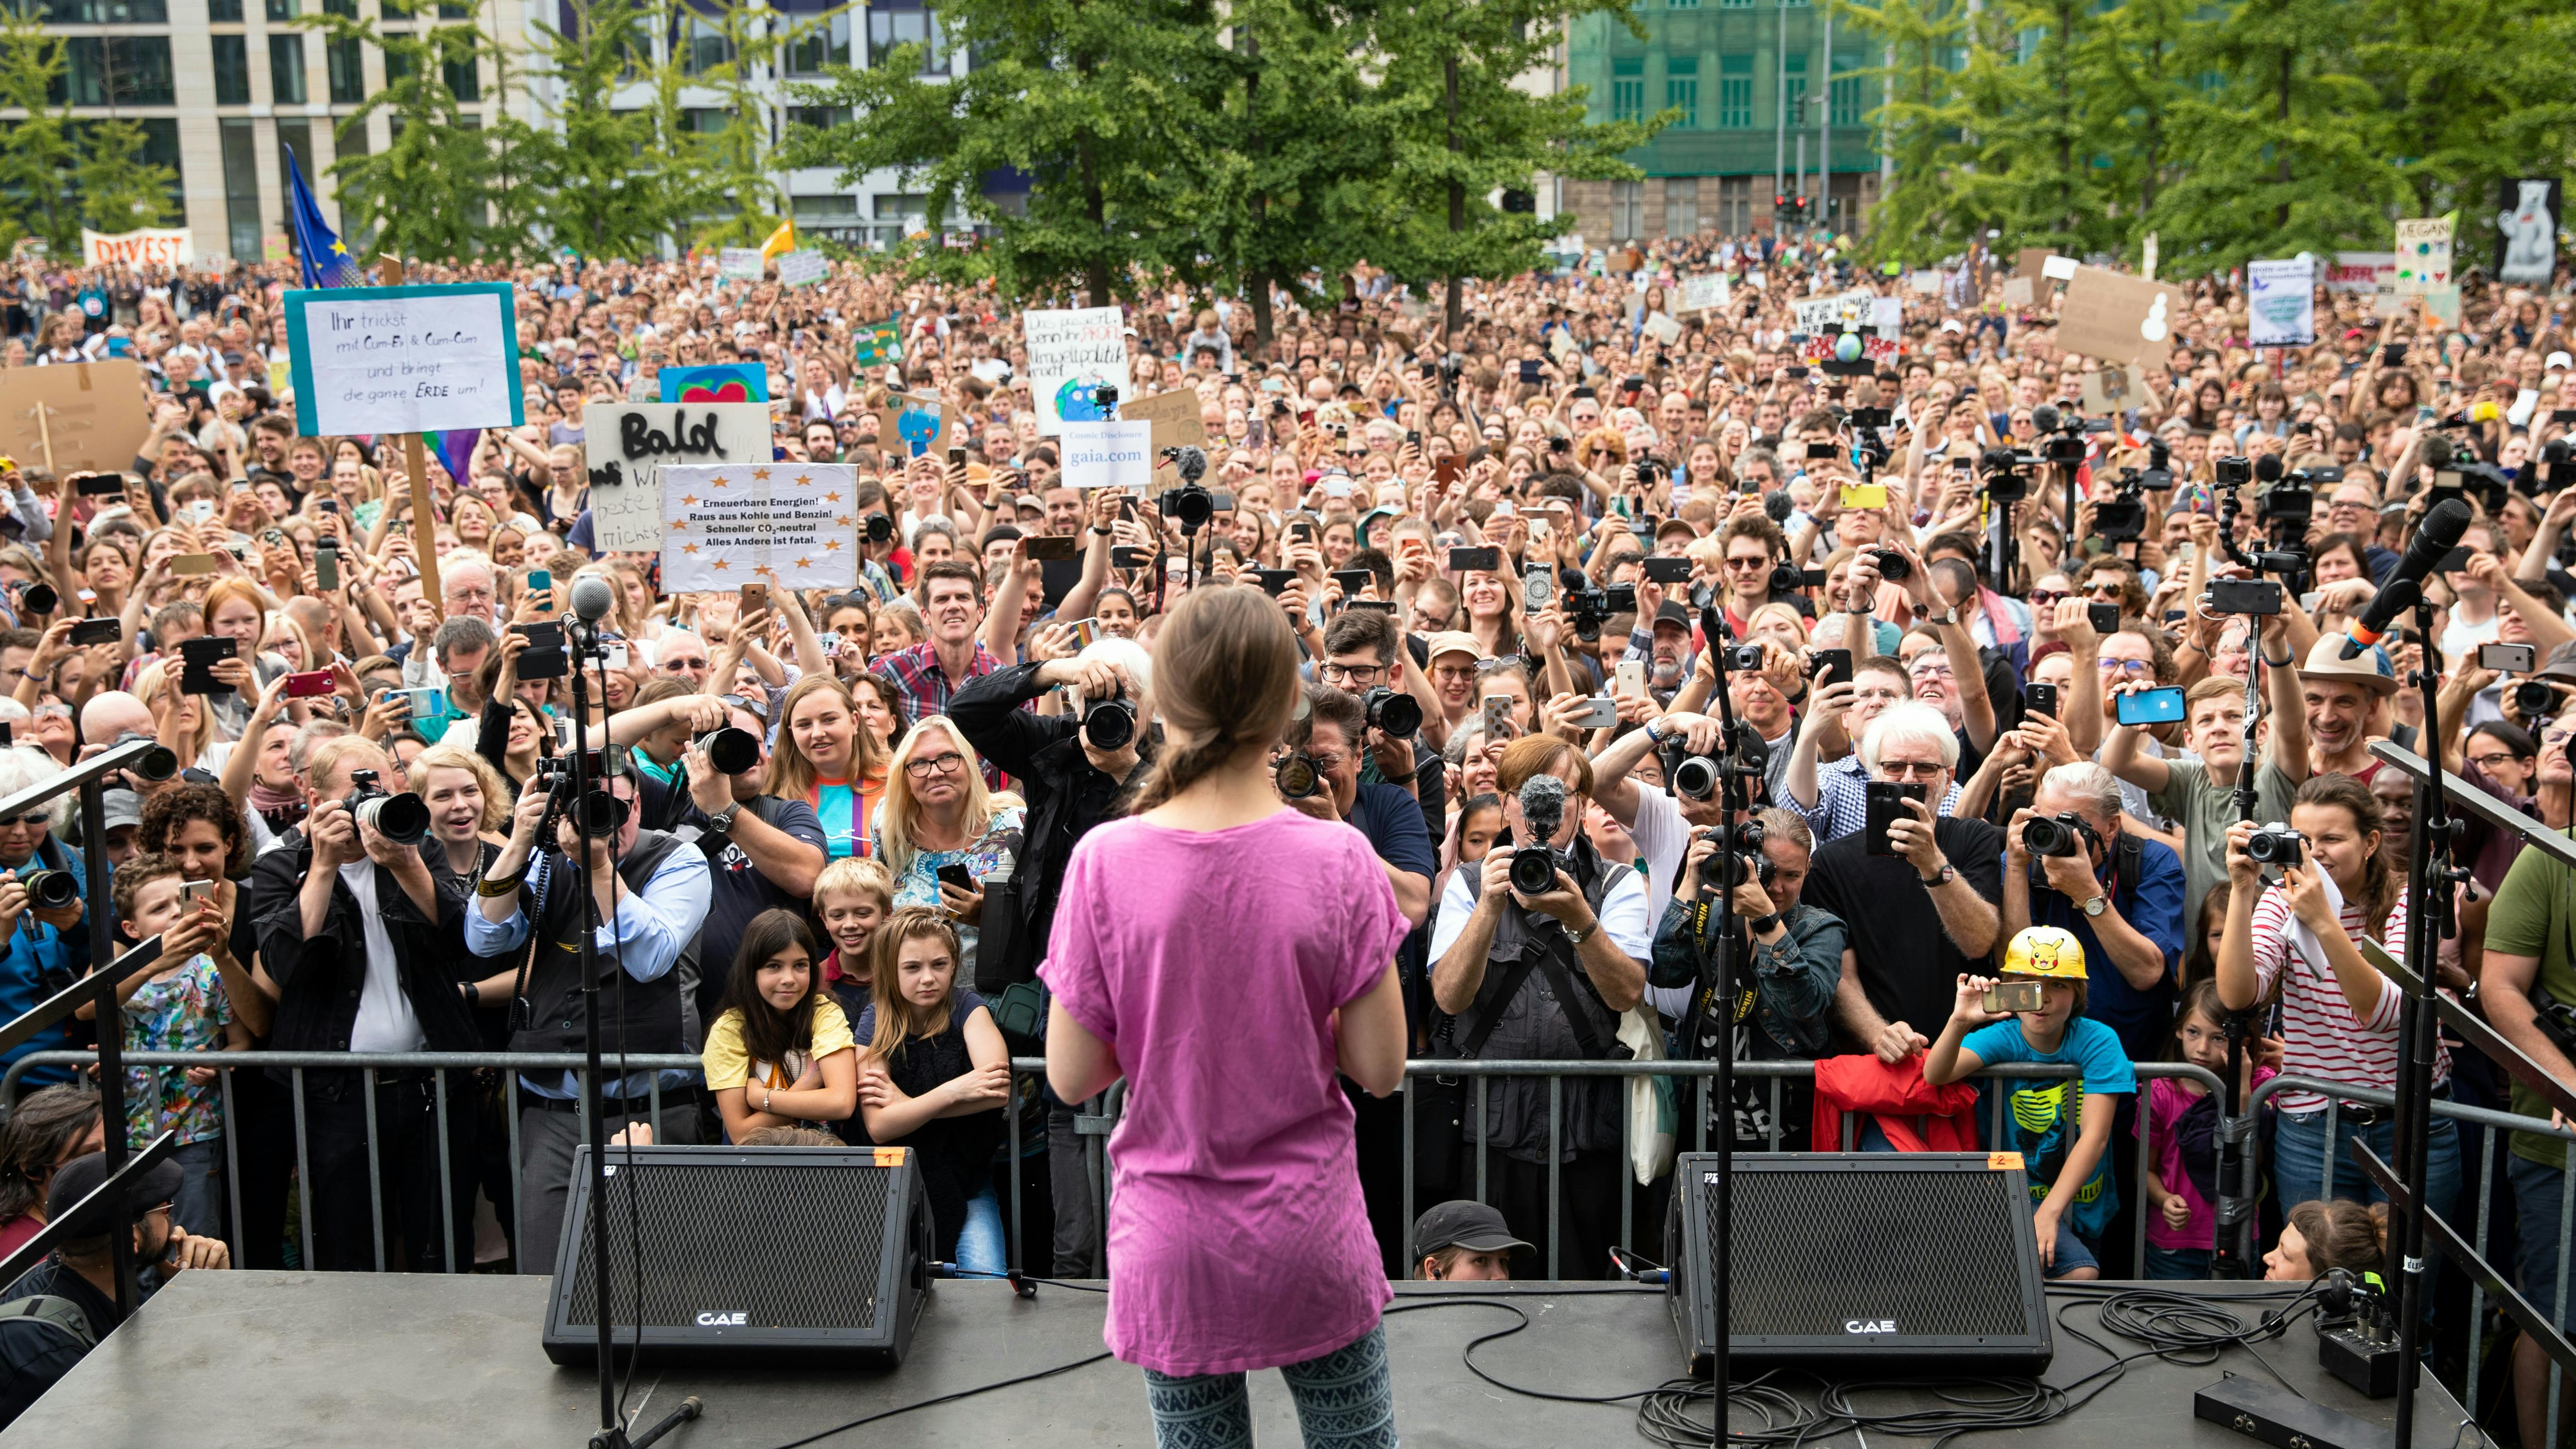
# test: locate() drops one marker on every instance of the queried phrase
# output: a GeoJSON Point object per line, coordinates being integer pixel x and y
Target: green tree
{"type": "Point", "coordinates": [428, 193]}
{"type": "Point", "coordinates": [119, 190]}
{"type": "Point", "coordinates": [1100, 104]}
{"type": "Point", "coordinates": [2136, 55]}
{"type": "Point", "coordinates": [1919, 125]}
{"type": "Point", "coordinates": [1467, 134]}
{"type": "Point", "coordinates": [41, 154]}
{"type": "Point", "coordinates": [607, 182]}
{"type": "Point", "coordinates": [2473, 96]}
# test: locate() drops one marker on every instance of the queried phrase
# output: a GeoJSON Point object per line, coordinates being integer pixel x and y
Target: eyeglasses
{"type": "Point", "coordinates": [2104, 589]}
{"type": "Point", "coordinates": [928, 765]}
{"type": "Point", "coordinates": [1748, 563]}
{"type": "Point", "coordinates": [2041, 598]}
{"type": "Point", "coordinates": [1350, 673]}
{"type": "Point", "coordinates": [2127, 666]}
{"type": "Point", "coordinates": [2490, 761]}
{"type": "Point", "coordinates": [757, 709]}
{"type": "Point", "coordinates": [1931, 669]}
{"type": "Point", "coordinates": [1326, 764]}
{"type": "Point", "coordinates": [33, 818]}
{"type": "Point", "coordinates": [1456, 674]}
{"type": "Point", "coordinates": [1911, 769]}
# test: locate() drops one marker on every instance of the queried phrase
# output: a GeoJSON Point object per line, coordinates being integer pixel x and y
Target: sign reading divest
{"type": "Point", "coordinates": [404, 359]}
{"type": "Point", "coordinates": [787, 524]}
{"type": "Point", "coordinates": [628, 447]}
{"type": "Point", "coordinates": [1072, 351]}
{"type": "Point", "coordinates": [148, 248]}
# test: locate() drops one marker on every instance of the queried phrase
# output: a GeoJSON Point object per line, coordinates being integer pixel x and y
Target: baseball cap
{"type": "Point", "coordinates": [1475, 1226]}
{"type": "Point", "coordinates": [1676, 525]}
{"type": "Point", "coordinates": [82, 1176]}
{"type": "Point", "coordinates": [1454, 641]}
{"type": "Point", "coordinates": [2558, 362]}
{"type": "Point", "coordinates": [119, 808]}
{"type": "Point", "coordinates": [2561, 663]}
{"type": "Point", "coordinates": [1674, 614]}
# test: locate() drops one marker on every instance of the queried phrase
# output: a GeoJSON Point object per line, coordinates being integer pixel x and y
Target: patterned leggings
{"type": "Point", "coordinates": [1345, 1400]}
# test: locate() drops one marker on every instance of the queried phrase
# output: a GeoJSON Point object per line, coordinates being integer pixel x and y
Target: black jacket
{"type": "Point", "coordinates": [35, 1354]}
{"type": "Point", "coordinates": [319, 977]}
{"type": "Point", "coordinates": [1067, 796]}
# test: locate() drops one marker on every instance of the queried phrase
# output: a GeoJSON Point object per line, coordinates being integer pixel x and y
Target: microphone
{"type": "Point", "coordinates": [592, 598]}
{"type": "Point", "coordinates": [2438, 535]}
{"type": "Point", "coordinates": [2436, 450]}
{"type": "Point", "coordinates": [1778, 505]}
{"type": "Point", "coordinates": [2267, 469]}
{"type": "Point", "coordinates": [2045, 418]}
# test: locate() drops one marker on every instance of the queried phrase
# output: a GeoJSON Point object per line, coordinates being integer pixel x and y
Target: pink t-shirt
{"type": "Point", "coordinates": [1212, 963]}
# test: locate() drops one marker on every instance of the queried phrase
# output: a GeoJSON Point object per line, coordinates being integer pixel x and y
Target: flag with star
{"type": "Point", "coordinates": [326, 258]}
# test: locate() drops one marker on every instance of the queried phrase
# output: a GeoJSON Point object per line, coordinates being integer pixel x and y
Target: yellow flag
{"type": "Point", "coordinates": [781, 240]}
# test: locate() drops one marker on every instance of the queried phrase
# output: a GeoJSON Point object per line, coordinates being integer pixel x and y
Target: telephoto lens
{"type": "Point", "coordinates": [2535, 699]}
{"type": "Point", "coordinates": [1392, 710]}
{"type": "Point", "coordinates": [2275, 844]}
{"type": "Point", "coordinates": [600, 814]}
{"type": "Point", "coordinates": [41, 599]}
{"type": "Point", "coordinates": [1892, 566]}
{"type": "Point", "coordinates": [1693, 777]}
{"type": "Point", "coordinates": [402, 819]}
{"type": "Point", "coordinates": [1109, 723]}
{"type": "Point", "coordinates": [732, 751]}
{"type": "Point", "coordinates": [51, 890]}
{"type": "Point", "coordinates": [2041, 835]}
{"type": "Point", "coordinates": [158, 763]}
{"type": "Point", "coordinates": [1297, 777]}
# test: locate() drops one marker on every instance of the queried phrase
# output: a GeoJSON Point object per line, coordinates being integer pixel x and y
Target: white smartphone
{"type": "Point", "coordinates": [1631, 676]}
{"type": "Point", "coordinates": [617, 656]}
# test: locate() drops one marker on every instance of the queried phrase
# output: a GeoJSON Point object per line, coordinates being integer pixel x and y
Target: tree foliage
{"type": "Point", "coordinates": [60, 174]}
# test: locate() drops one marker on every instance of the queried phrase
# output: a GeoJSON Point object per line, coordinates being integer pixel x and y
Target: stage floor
{"type": "Point", "coordinates": [260, 1360]}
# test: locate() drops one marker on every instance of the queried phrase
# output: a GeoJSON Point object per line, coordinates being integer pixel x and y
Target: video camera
{"type": "Point", "coordinates": [1586, 604]}
{"type": "Point", "coordinates": [598, 814]}
{"type": "Point", "coordinates": [1190, 505]}
{"type": "Point", "coordinates": [2061, 435]}
{"type": "Point", "coordinates": [1534, 865]}
{"type": "Point", "coordinates": [2007, 474]}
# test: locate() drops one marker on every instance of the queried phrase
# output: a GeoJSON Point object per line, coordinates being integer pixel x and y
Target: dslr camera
{"type": "Point", "coordinates": [1297, 777]}
{"type": "Point", "coordinates": [1587, 606]}
{"type": "Point", "coordinates": [1109, 723]}
{"type": "Point", "coordinates": [2534, 699]}
{"type": "Point", "coordinates": [402, 819]}
{"type": "Point", "coordinates": [1389, 709]}
{"type": "Point", "coordinates": [2064, 833]}
{"type": "Point", "coordinates": [2276, 844]}
{"type": "Point", "coordinates": [1739, 855]}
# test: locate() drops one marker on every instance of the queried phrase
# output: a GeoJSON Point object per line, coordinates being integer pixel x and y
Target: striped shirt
{"type": "Point", "coordinates": [2321, 1035]}
{"type": "Point", "coordinates": [1842, 798]}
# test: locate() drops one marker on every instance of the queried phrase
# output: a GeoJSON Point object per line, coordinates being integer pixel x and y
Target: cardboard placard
{"type": "Point", "coordinates": [2527, 230]}
{"type": "Point", "coordinates": [2119, 318]}
{"type": "Point", "coordinates": [1849, 310]}
{"type": "Point", "coordinates": [145, 248]}
{"type": "Point", "coordinates": [1071, 351]}
{"type": "Point", "coordinates": [911, 424]}
{"type": "Point", "coordinates": [1108, 455]}
{"type": "Point", "coordinates": [1924, 281]}
{"type": "Point", "coordinates": [1704, 293]}
{"type": "Point", "coordinates": [787, 524]}
{"type": "Point", "coordinates": [2147, 258]}
{"type": "Point", "coordinates": [75, 417]}
{"type": "Point", "coordinates": [2057, 269]}
{"type": "Point", "coordinates": [626, 447]}
{"type": "Point", "coordinates": [2281, 302]}
{"type": "Point", "coordinates": [405, 359]}
{"type": "Point", "coordinates": [2029, 261]}
{"type": "Point", "coordinates": [2442, 305]}
{"type": "Point", "coordinates": [2110, 391]}
{"type": "Point", "coordinates": [274, 247]}
{"type": "Point", "coordinates": [2423, 254]}
{"type": "Point", "coordinates": [877, 343]}
{"type": "Point", "coordinates": [1176, 416]}
{"type": "Point", "coordinates": [1663, 329]}
{"type": "Point", "coordinates": [803, 269]}
{"type": "Point", "coordinates": [721, 382]}
{"type": "Point", "coordinates": [2016, 291]}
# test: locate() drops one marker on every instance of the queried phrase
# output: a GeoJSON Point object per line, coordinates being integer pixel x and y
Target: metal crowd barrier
{"type": "Point", "coordinates": [2338, 1095]}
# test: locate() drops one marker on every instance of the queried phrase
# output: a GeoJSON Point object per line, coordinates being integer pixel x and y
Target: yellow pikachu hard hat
{"type": "Point", "coordinates": [2045, 951]}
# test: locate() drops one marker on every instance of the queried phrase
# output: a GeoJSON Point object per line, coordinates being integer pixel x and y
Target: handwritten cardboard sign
{"type": "Point", "coordinates": [404, 359]}
{"type": "Point", "coordinates": [1071, 352]}
{"type": "Point", "coordinates": [2423, 254]}
{"type": "Point", "coordinates": [1176, 417]}
{"type": "Point", "coordinates": [2119, 318]}
{"type": "Point", "coordinates": [910, 425]}
{"type": "Point", "coordinates": [626, 446]}
{"type": "Point", "coordinates": [144, 248]}
{"type": "Point", "coordinates": [77, 417]}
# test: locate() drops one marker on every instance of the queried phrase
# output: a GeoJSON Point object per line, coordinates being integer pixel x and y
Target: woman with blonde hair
{"type": "Point", "coordinates": [825, 757]}
{"type": "Point", "coordinates": [938, 813]}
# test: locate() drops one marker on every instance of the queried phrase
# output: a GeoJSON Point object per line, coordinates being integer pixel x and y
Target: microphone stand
{"type": "Point", "coordinates": [2232, 1251]}
{"type": "Point", "coordinates": [582, 637]}
{"type": "Point", "coordinates": [2431, 876]}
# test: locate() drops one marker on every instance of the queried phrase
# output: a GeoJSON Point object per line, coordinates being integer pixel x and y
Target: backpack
{"type": "Point", "coordinates": [62, 1313]}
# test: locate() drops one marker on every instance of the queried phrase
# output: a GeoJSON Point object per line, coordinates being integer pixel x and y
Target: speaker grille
{"type": "Point", "coordinates": [1817, 1248]}
{"type": "Point", "coordinates": [741, 1240]}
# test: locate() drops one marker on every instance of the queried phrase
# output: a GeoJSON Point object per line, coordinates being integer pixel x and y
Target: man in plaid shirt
{"type": "Point", "coordinates": [929, 674]}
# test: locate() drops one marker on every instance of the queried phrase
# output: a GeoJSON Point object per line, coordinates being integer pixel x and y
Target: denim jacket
{"type": "Point", "coordinates": [1795, 978]}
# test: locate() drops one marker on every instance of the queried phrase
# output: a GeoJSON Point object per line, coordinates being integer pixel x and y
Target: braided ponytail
{"type": "Point", "coordinates": [1225, 680]}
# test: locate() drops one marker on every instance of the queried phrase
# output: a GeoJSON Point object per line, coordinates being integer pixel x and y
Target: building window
{"type": "Point", "coordinates": [1627, 87]}
{"type": "Point", "coordinates": [1734, 92]}
{"type": "Point", "coordinates": [283, 10]}
{"type": "Point", "coordinates": [1627, 210]}
{"type": "Point", "coordinates": [232, 70]}
{"type": "Point", "coordinates": [343, 58]}
{"type": "Point", "coordinates": [821, 118]}
{"type": "Point", "coordinates": [345, 9]}
{"type": "Point", "coordinates": [823, 44]}
{"type": "Point", "coordinates": [464, 79]}
{"type": "Point", "coordinates": [119, 70]}
{"type": "Point", "coordinates": [1795, 89]}
{"type": "Point", "coordinates": [1737, 4]}
{"type": "Point", "coordinates": [890, 28]}
{"type": "Point", "coordinates": [295, 149]}
{"type": "Point", "coordinates": [398, 63]}
{"type": "Point", "coordinates": [840, 206]}
{"type": "Point", "coordinates": [1681, 89]}
{"type": "Point", "coordinates": [224, 12]}
{"type": "Point", "coordinates": [1735, 205]}
{"type": "Point", "coordinates": [286, 69]}
{"type": "Point", "coordinates": [1681, 205]}
{"type": "Point", "coordinates": [241, 188]}
{"type": "Point", "coordinates": [705, 120]}
{"type": "Point", "coordinates": [703, 46]}
{"type": "Point", "coordinates": [1848, 103]}
{"type": "Point", "coordinates": [96, 12]}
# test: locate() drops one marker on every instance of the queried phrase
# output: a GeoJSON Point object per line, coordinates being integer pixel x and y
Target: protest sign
{"type": "Point", "coordinates": [1848, 310]}
{"type": "Point", "coordinates": [787, 524]}
{"type": "Point", "coordinates": [2029, 260]}
{"type": "Point", "coordinates": [725, 382]}
{"type": "Point", "coordinates": [802, 269]}
{"type": "Point", "coordinates": [910, 425]}
{"type": "Point", "coordinates": [274, 247]}
{"type": "Point", "coordinates": [1108, 455]}
{"type": "Point", "coordinates": [2119, 318]}
{"type": "Point", "coordinates": [2110, 391]}
{"type": "Point", "coordinates": [877, 343]}
{"type": "Point", "coordinates": [2527, 231]}
{"type": "Point", "coordinates": [2281, 302]}
{"type": "Point", "coordinates": [2147, 266]}
{"type": "Point", "coordinates": [1176, 417]}
{"type": "Point", "coordinates": [404, 359]}
{"type": "Point", "coordinates": [2016, 291]}
{"type": "Point", "coordinates": [626, 447]}
{"type": "Point", "coordinates": [1705, 293]}
{"type": "Point", "coordinates": [2057, 269]}
{"type": "Point", "coordinates": [176, 248]}
{"type": "Point", "coordinates": [739, 264]}
{"type": "Point", "coordinates": [2442, 305]}
{"type": "Point", "coordinates": [2423, 254]}
{"type": "Point", "coordinates": [74, 417]}
{"type": "Point", "coordinates": [2360, 271]}
{"type": "Point", "coordinates": [1663, 329]}
{"type": "Point", "coordinates": [1072, 351]}
{"type": "Point", "coordinates": [1925, 282]}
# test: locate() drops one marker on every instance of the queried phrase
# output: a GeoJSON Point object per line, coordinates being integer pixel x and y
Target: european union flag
{"type": "Point", "coordinates": [326, 260]}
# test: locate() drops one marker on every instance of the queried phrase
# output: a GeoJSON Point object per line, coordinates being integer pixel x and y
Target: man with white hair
{"type": "Point", "coordinates": [1922, 913]}
{"type": "Point", "coordinates": [2068, 863]}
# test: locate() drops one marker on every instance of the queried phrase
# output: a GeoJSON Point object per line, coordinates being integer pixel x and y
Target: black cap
{"type": "Point", "coordinates": [2560, 664]}
{"type": "Point", "coordinates": [1461, 1224]}
{"type": "Point", "coordinates": [81, 1176]}
{"type": "Point", "coordinates": [1674, 614]}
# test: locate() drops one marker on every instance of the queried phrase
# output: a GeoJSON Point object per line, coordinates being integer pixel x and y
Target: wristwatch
{"type": "Point", "coordinates": [722, 820]}
{"type": "Point", "coordinates": [1574, 937]}
{"type": "Point", "coordinates": [1939, 878]}
{"type": "Point", "coordinates": [2096, 904]}
{"type": "Point", "coordinates": [1761, 925]}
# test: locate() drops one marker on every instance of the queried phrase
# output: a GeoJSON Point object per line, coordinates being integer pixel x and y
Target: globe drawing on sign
{"type": "Point", "coordinates": [1847, 348]}
{"type": "Point", "coordinates": [1076, 403]}
{"type": "Point", "coordinates": [918, 426]}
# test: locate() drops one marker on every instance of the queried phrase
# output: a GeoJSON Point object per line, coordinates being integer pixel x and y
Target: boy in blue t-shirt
{"type": "Point", "coordinates": [2058, 1146]}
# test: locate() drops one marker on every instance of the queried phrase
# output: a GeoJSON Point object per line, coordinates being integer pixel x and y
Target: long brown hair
{"type": "Point", "coordinates": [2378, 877]}
{"type": "Point", "coordinates": [769, 1034]}
{"type": "Point", "coordinates": [1225, 680]}
{"type": "Point", "coordinates": [899, 1020]}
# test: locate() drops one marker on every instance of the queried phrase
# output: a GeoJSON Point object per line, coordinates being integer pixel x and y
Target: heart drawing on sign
{"type": "Point", "coordinates": [731, 392]}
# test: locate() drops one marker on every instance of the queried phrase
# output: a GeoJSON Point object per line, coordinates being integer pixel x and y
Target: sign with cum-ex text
{"type": "Point", "coordinates": [787, 524]}
{"type": "Point", "coordinates": [404, 359]}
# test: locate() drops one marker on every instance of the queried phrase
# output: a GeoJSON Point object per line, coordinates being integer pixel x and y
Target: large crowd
{"type": "Point", "coordinates": [1994, 752]}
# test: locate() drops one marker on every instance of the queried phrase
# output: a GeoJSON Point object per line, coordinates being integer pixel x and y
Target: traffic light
{"type": "Point", "coordinates": [1789, 208]}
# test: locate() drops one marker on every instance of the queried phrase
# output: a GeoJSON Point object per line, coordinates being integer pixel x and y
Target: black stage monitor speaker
{"type": "Point", "coordinates": [733, 1268]}
{"type": "Point", "coordinates": [1862, 1262]}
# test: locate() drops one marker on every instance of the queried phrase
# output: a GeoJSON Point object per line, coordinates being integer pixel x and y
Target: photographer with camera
{"type": "Point", "coordinates": [762, 851]}
{"type": "Point", "coordinates": [364, 951]}
{"type": "Point", "coordinates": [2067, 863]}
{"type": "Point", "coordinates": [1537, 955]}
{"type": "Point", "coordinates": [2200, 793]}
{"type": "Point", "coordinates": [652, 891]}
{"type": "Point", "coordinates": [1364, 658]}
{"type": "Point", "coordinates": [1792, 953]}
{"type": "Point", "coordinates": [41, 910]}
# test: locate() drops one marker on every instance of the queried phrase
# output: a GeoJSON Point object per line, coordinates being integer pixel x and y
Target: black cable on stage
{"type": "Point", "coordinates": [1045, 1373]}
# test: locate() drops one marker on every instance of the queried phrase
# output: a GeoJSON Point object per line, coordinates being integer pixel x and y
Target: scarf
{"type": "Point", "coordinates": [280, 808]}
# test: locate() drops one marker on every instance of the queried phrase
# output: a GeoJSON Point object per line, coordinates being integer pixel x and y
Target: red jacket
{"type": "Point", "coordinates": [1915, 1115]}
